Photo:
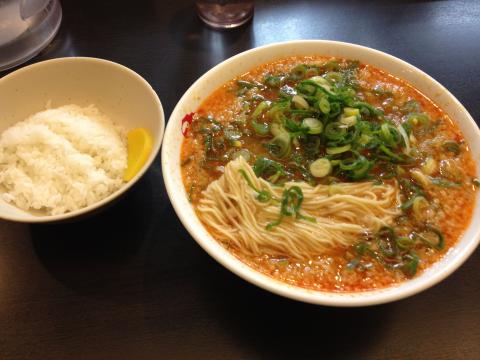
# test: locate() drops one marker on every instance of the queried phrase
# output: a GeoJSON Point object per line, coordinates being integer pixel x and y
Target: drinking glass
{"type": "Point", "coordinates": [225, 14]}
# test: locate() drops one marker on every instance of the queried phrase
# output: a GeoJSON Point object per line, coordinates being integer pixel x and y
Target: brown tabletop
{"type": "Point", "coordinates": [130, 283]}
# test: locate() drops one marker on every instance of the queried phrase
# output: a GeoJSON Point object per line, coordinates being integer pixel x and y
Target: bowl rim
{"type": "Point", "coordinates": [341, 299]}
{"type": "Point", "coordinates": [125, 187]}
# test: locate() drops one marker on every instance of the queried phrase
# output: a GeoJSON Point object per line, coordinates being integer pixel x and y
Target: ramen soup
{"type": "Point", "coordinates": [328, 174]}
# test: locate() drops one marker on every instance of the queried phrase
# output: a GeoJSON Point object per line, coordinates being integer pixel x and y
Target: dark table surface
{"type": "Point", "coordinates": [130, 283]}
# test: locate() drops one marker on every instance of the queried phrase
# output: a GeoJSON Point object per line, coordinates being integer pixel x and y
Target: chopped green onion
{"type": "Point", "coordinates": [321, 167]}
{"type": "Point", "coordinates": [324, 105]}
{"type": "Point", "coordinates": [300, 102]}
{"type": "Point", "coordinates": [291, 203]}
{"type": "Point", "coordinates": [367, 108]}
{"type": "Point", "coordinates": [335, 109]}
{"type": "Point", "coordinates": [406, 140]}
{"type": "Point", "coordinates": [420, 177]}
{"type": "Point", "coordinates": [260, 108]}
{"type": "Point", "coordinates": [306, 88]}
{"type": "Point", "coordinates": [410, 263]}
{"type": "Point", "coordinates": [260, 129]}
{"type": "Point", "coordinates": [298, 72]}
{"type": "Point", "coordinates": [418, 119]}
{"type": "Point", "coordinates": [365, 139]}
{"type": "Point", "coordinates": [313, 125]}
{"type": "Point", "coordinates": [404, 242]}
{"type": "Point", "coordinates": [333, 76]}
{"type": "Point", "coordinates": [262, 195]}
{"type": "Point", "coordinates": [389, 153]}
{"type": "Point", "coordinates": [322, 82]}
{"type": "Point", "coordinates": [388, 133]}
{"type": "Point", "coordinates": [338, 149]}
{"type": "Point", "coordinates": [348, 120]}
{"type": "Point", "coordinates": [386, 242]}
{"type": "Point", "coordinates": [280, 145]}
{"type": "Point", "coordinates": [429, 166]}
{"type": "Point", "coordinates": [273, 81]}
{"type": "Point", "coordinates": [444, 183]}
{"type": "Point", "coordinates": [348, 111]}
{"type": "Point", "coordinates": [331, 65]}
{"type": "Point", "coordinates": [432, 237]}
{"type": "Point", "coordinates": [412, 190]}
{"type": "Point", "coordinates": [408, 204]}
{"type": "Point", "coordinates": [276, 129]}
{"type": "Point", "coordinates": [292, 125]}
{"type": "Point", "coordinates": [451, 146]}
{"type": "Point", "coordinates": [361, 171]}
{"type": "Point", "coordinates": [353, 164]}
{"type": "Point", "coordinates": [267, 167]}
{"type": "Point", "coordinates": [419, 207]}
{"type": "Point", "coordinates": [411, 106]}
{"type": "Point", "coordinates": [335, 131]}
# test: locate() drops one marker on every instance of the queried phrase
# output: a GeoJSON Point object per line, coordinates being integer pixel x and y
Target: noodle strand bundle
{"type": "Point", "coordinates": [342, 213]}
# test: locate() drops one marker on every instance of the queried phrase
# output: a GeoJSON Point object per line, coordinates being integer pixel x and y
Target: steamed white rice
{"type": "Point", "coordinates": [62, 159]}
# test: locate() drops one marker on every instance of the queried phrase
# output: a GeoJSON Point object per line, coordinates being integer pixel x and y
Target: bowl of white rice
{"type": "Point", "coordinates": [63, 136]}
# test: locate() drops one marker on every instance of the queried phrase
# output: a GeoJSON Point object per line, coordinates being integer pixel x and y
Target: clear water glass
{"type": "Point", "coordinates": [225, 14]}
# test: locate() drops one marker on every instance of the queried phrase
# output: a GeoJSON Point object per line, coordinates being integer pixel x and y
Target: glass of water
{"type": "Point", "coordinates": [225, 14]}
{"type": "Point", "coordinates": [26, 27]}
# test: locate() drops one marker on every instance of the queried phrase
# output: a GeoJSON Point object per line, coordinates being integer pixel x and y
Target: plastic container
{"type": "Point", "coordinates": [26, 28]}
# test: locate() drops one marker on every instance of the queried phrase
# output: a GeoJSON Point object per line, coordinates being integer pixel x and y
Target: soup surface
{"type": "Point", "coordinates": [324, 121]}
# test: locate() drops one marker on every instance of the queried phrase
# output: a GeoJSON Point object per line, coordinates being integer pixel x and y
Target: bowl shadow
{"type": "Point", "coordinates": [288, 328]}
{"type": "Point", "coordinates": [94, 255]}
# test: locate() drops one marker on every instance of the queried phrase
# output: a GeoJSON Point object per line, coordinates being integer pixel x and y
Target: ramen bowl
{"type": "Point", "coordinates": [118, 92]}
{"type": "Point", "coordinates": [244, 62]}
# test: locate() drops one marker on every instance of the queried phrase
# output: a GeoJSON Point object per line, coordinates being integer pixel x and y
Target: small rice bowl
{"type": "Point", "coordinates": [63, 159]}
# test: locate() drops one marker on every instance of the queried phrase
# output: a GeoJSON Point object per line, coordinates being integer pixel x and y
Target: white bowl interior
{"type": "Point", "coordinates": [118, 92]}
{"type": "Point", "coordinates": [245, 61]}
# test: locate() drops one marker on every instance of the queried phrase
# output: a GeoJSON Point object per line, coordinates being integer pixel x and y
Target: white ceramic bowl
{"type": "Point", "coordinates": [118, 92]}
{"type": "Point", "coordinates": [245, 61]}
